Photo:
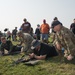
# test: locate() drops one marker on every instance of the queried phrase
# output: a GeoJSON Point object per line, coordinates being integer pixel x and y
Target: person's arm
{"type": "Point", "coordinates": [1, 48]}
{"type": "Point", "coordinates": [20, 43]}
{"type": "Point", "coordinates": [41, 57]}
{"type": "Point", "coordinates": [41, 29]}
{"type": "Point", "coordinates": [71, 27]}
{"type": "Point", "coordinates": [11, 46]}
{"type": "Point", "coordinates": [29, 27]}
{"type": "Point", "coordinates": [48, 27]}
{"type": "Point", "coordinates": [36, 31]}
{"type": "Point", "coordinates": [22, 26]}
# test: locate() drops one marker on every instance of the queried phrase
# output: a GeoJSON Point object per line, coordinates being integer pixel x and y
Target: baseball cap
{"type": "Point", "coordinates": [35, 43]}
{"type": "Point", "coordinates": [55, 23]}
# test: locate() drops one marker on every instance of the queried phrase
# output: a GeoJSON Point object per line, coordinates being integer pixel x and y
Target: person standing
{"type": "Point", "coordinates": [37, 32]}
{"type": "Point", "coordinates": [26, 26]}
{"type": "Point", "coordinates": [14, 34]}
{"type": "Point", "coordinates": [72, 27]}
{"type": "Point", "coordinates": [1, 34]}
{"type": "Point", "coordinates": [8, 35]}
{"type": "Point", "coordinates": [44, 28]}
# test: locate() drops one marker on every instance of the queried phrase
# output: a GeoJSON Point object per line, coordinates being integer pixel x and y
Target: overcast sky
{"type": "Point", "coordinates": [12, 12]}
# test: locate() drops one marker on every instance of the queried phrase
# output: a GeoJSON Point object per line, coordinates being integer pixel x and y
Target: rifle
{"type": "Point", "coordinates": [29, 61]}
{"type": "Point", "coordinates": [21, 60]}
{"type": "Point", "coordinates": [24, 58]}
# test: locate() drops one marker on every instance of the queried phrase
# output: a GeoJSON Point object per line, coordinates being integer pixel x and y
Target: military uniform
{"type": "Point", "coordinates": [66, 39]}
{"type": "Point", "coordinates": [26, 39]}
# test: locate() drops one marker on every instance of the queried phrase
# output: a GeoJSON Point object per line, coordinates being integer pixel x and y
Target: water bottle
{"type": "Point", "coordinates": [63, 49]}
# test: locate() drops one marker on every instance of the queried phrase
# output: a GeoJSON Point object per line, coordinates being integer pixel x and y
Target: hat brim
{"type": "Point", "coordinates": [33, 47]}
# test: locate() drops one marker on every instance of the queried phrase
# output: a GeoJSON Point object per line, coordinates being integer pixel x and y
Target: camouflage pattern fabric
{"type": "Point", "coordinates": [66, 39]}
{"type": "Point", "coordinates": [27, 39]}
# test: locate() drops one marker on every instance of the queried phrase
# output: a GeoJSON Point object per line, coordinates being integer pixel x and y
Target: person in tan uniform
{"type": "Point", "coordinates": [25, 39]}
{"type": "Point", "coordinates": [64, 38]}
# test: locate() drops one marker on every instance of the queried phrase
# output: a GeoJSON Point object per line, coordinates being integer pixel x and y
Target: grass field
{"type": "Point", "coordinates": [52, 66]}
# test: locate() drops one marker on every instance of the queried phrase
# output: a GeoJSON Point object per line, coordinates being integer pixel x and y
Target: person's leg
{"type": "Point", "coordinates": [10, 37]}
{"type": "Point", "coordinates": [13, 37]}
{"type": "Point", "coordinates": [15, 49]}
{"type": "Point", "coordinates": [38, 36]}
{"type": "Point", "coordinates": [18, 48]}
{"type": "Point", "coordinates": [42, 37]}
{"type": "Point", "coordinates": [12, 50]}
{"type": "Point", "coordinates": [55, 53]}
{"type": "Point", "coordinates": [46, 38]}
{"type": "Point", "coordinates": [27, 48]}
{"type": "Point", "coordinates": [59, 50]}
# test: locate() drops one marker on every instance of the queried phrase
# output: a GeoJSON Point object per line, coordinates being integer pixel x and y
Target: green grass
{"type": "Point", "coordinates": [52, 66]}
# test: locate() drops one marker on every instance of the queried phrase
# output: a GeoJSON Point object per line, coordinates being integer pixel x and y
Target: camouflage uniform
{"type": "Point", "coordinates": [66, 39]}
{"type": "Point", "coordinates": [26, 39]}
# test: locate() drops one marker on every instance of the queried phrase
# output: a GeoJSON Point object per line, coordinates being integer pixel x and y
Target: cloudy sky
{"type": "Point", "coordinates": [12, 12]}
